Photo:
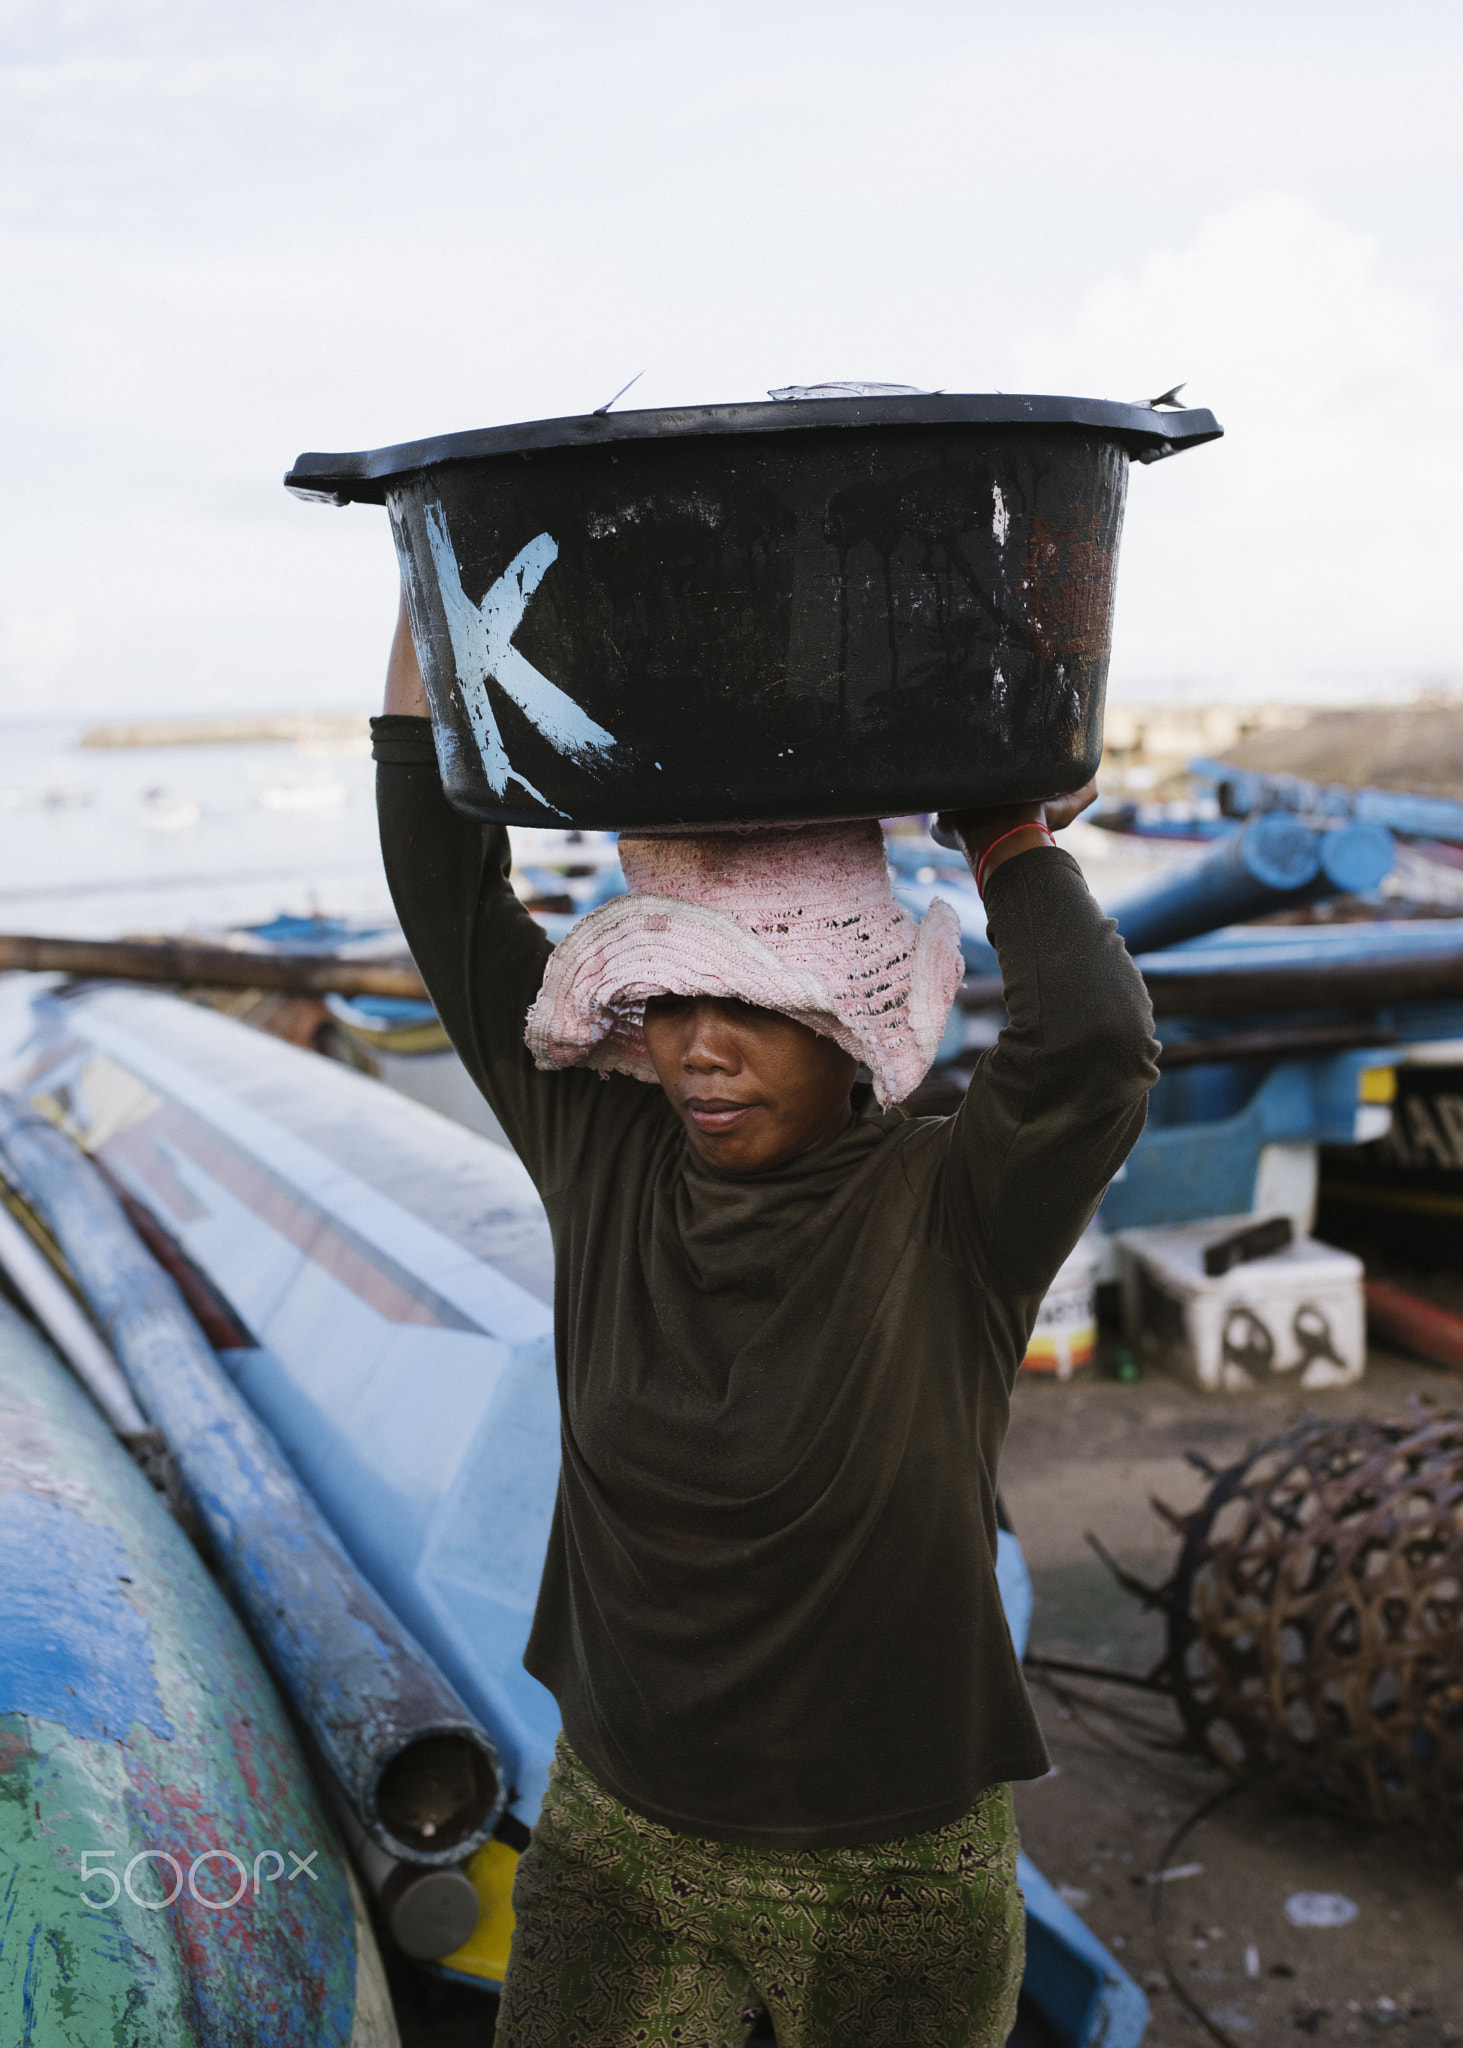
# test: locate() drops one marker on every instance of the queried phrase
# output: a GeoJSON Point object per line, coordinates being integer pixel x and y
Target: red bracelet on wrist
{"type": "Point", "coordinates": [1031, 825]}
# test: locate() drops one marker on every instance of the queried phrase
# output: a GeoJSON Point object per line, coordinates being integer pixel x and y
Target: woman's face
{"type": "Point", "coordinates": [753, 1089]}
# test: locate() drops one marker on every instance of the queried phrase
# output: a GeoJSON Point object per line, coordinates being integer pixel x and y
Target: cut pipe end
{"type": "Point", "coordinates": [430, 1912]}
{"type": "Point", "coordinates": [1280, 851]}
{"type": "Point", "coordinates": [438, 1797]}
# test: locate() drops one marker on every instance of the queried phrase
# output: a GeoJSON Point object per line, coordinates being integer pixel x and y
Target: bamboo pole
{"type": "Point", "coordinates": [1357, 984]}
{"type": "Point", "coordinates": [1217, 991]}
{"type": "Point", "coordinates": [1285, 1043]}
{"type": "Point", "coordinates": [1350, 984]}
{"type": "Point", "coordinates": [177, 962]}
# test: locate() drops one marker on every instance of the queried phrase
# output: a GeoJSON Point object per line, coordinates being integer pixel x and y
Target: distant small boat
{"type": "Point", "coordinates": [168, 810]}
{"type": "Point", "coordinates": [1183, 820]}
{"type": "Point", "coordinates": [304, 796]}
{"type": "Point", "coordinates": [55, 796]}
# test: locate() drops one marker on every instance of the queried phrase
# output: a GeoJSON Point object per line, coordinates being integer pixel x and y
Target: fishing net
{"type": "Point", "coordinates": [1316, 1618]}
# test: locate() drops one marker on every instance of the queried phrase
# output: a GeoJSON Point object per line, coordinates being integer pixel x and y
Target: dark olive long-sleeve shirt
{"type": "Point", "coordinates": [769, 1610]}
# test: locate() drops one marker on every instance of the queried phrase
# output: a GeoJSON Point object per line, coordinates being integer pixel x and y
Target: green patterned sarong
{"type": "Point", "coordinates": [632, 1936]}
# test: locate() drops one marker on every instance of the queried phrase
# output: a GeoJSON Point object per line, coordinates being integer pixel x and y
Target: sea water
{"type": "Point", "coordinates": [106, 842]}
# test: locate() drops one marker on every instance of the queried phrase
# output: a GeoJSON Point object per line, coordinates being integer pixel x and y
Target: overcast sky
{"type": "Point", "coordinates": [230, 232]}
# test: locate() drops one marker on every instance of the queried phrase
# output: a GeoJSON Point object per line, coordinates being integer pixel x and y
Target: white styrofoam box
{"type": "Point", "coordinates": [1064, 1336]}
{"type": "Point", "coordinates": [1287, 1180]}
{"type": "Point", "coordinates": [1298, 1314]}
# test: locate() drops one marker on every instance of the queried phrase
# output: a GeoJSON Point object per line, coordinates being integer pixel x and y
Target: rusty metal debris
{"type": "Point", "coordinates": [1315, 1618]}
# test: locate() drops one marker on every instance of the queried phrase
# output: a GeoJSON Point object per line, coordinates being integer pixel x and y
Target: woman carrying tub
{"type": "Point", "coordinates": [788, 1319]}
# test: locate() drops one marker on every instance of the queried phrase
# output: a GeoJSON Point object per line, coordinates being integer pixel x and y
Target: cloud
{"type": "Point", "coordinates": [35, 648]}
{"type": "Point", "coordinates": [230, 232]}
{"type": "Point", "coordinates": [1319, 546]}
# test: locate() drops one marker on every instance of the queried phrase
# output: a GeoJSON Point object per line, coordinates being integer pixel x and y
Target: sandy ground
{"type": "Point", "coordinates": [1087, 1456]}
{"type": "Point", "coordinates": [1415, 747]}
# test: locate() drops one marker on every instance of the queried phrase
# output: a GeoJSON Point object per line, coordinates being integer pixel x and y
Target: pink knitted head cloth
{"type": "Point", "coordinates": [800, 920]}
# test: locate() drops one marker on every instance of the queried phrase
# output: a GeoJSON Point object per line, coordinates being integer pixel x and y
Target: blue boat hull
{"type": "Point", "coordinates": [168, 1878]}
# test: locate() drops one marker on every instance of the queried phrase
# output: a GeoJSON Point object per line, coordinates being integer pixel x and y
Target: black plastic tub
{"type": "Point", "coordinates": [825, 608]}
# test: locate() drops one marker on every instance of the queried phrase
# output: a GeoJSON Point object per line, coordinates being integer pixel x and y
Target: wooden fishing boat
{"type": "Point", "coordinates": [171, 1876]}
